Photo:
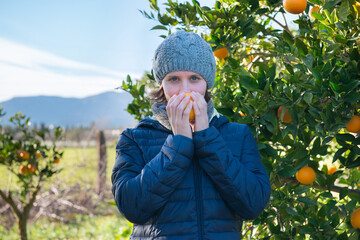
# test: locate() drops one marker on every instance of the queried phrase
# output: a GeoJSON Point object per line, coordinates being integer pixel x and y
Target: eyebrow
{"type": "Point", "coordinates": [192, 75]}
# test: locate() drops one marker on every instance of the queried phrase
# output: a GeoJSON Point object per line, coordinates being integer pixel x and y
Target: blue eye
{"type": "Point", "coordinates": [174, 79]}
{"type": "Point", "coordinates": [194, 78]}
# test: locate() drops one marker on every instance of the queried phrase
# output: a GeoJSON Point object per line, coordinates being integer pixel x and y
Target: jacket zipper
{"type": "Point", "coordinates": [198, 195]}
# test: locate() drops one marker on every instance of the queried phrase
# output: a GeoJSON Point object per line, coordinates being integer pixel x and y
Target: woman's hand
{"type": "Point", "coordinates": [200, 110]}
{"type": "Point", "coordinates": [178, 109]}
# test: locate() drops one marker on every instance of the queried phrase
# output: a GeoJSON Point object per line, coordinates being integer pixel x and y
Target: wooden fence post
{"type": "Point", "coordinates": [102, 163]}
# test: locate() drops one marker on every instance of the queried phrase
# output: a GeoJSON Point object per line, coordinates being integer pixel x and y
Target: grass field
{"type": "Point", "coordinates": [79, 167]}
{"type": "Point", "coordinates": [81, 228]}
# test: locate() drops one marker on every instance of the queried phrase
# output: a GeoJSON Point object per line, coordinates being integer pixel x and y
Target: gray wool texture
{"type": "Point", "coordinates": [184, 51]}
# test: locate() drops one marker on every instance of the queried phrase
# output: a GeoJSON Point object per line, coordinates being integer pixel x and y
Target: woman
{"type": "Point", "coordinates": [180, 179]}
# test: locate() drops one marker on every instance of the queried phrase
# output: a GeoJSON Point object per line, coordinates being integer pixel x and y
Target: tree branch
{"type": "Point", "coordinates": [285, 27]}
{"type": "Point", "coordinates": [32, 199]}
{"type": "Point", "coordinates": [11, 202]}
{"type": "Point", "coordinates": [333, 188]}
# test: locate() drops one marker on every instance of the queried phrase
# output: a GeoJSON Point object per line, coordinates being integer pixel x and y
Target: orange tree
{"type": "Point", "coordinates": [30, 161]}
{"type": "Point", "coordinates": [312, 74]}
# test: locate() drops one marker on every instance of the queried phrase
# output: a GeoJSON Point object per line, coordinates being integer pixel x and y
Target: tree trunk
{"type": "Point", "coordinates": [22, 223]}
{"type": "Point", "coordinates": [102, 163]}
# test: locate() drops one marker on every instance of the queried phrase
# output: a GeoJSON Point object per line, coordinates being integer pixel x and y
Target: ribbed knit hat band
{"type": "Point", "coordinates": [184, 51]}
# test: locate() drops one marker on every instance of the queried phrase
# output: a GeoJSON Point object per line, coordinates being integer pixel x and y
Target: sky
{"type": "Point", "coordinates": [73, 48]}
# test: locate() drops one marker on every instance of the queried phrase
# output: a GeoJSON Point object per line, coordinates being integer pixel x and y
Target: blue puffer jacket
{"type": "Point", "coordinates": [174, 187]}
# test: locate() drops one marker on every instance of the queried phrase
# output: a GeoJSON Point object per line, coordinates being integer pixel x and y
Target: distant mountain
{"type": "Point", "coordinates": [106, 110]}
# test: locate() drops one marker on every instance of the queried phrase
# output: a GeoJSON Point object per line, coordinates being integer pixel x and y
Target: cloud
{"type": "Point", "coordinates": [25, 71]}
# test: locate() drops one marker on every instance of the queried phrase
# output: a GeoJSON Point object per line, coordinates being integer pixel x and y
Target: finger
{"type": "Point", "coordinates": [199, 97]}
{"type": "Point", "coordinates": [174, 104]}
{"type": "Point", "coordinates": [187, 110]}
{"type": "Point", "coordinates": [168, 107]}
{"type": "Point", "coordinates": [196, 109]}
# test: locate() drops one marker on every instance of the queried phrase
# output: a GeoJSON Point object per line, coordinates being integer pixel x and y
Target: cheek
{"type": "Point", "coordinates": [169, 91]}
{"type": "Point", "coordinates": [201, 88]}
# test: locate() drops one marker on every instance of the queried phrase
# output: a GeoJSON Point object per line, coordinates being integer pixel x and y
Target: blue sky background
{"type": "Point", "coordinates": [73, 48]}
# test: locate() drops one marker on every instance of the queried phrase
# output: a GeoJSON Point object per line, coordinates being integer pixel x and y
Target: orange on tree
{"type": "Point", "coordinates": [306, 175]}
{"type": "Point", "coordinates": [316, 9]}
{"type": "Point", "coordinates": [354, 124]}
{"type": "Point", "coordinates": [355, 218]}
{"type": "Point", "coordinates": [294, 6]}
{"type": "Point", "coordinates": [287, 115]}
{"type": "Point", "coordinates": [56, 160]}
{"type": "Point", "coordinates": [23, 154]}
{"type": "Point", "coordinates": [38, 154]}
{"type": "Point", "coordinates": [23, 169]}
{"type": "Point", "coordinates": [31, 168]}
{"type": "Point", "coordinates": [192, 114]}
{"type": "Point", "coordinates": [331, 170]}
{"type": "Point", "coordinates": [221, 53]}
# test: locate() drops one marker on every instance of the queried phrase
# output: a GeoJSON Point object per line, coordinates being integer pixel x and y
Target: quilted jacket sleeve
{"type": "Point", "coordinates": [241, 181]}
{"type": "Point", "coordinates": [141, 189]}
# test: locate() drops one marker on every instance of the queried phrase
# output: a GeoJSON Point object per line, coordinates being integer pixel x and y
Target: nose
{"type": "Point", "coordinates": [185, 86]}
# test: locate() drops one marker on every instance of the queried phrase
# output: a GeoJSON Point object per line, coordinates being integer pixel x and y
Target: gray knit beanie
{"type": "Point", "coordinates": [184, 51]}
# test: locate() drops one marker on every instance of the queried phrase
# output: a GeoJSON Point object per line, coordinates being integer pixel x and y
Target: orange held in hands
{"type": "Point", "coordinates": [192, 114]}
{"type": "Point", "coordinates": [354, 124]}
{"type": "Point", "coordinates": [294, 6]}
{"type": "Point", "coordinates": [221, 53]}
{"type": "Point", "coordinates": [355, 218]}
{"type": "Point", "coordinates": [306, 175]}
{"type": "Point", "coordinates": [287, 115]}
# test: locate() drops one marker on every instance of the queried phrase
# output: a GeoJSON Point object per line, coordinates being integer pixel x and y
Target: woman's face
{"type": "Point", "coordinates": [178, 82]}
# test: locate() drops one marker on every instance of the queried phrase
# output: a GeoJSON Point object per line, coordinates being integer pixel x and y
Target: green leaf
{"type": "Point", "coordinates": [225, 111]}
{"type": "Point", "coordinates": [331, 4]}
{"type": "Point", "coordinates": [308, 60]}
{"type": "Point", "coordinates": [246, 80]}
{"type": "Point", "coordinates": [308, 97]}
{"type": "Point", "coordinates": [142, 90]}
{"type": "Point", "coordinates": [316, 73]}
{"type": "Point", "coordinates": [307, 200]}
{"type": "Point", "coordinates": [307, 230]}
{"type": "Point", "coordinates": [300, 189]}
{"type": "Point", "coordinates": [338, 153]}
{"type": "Point", "coordinates": [335, 87]}
{"type": "Point", "coordinates": [288, 171]}
{"type": "Point", "coordinates": [350, 205]}
{"type": "Point", "coordinates": [339, 38]}
{"type": "Point", "coordinates": [345, 137]}
{"type": "Point", "coordinates": [343, 10]}
{"type": "Point", "coordinates": [354, 164]}
{"type": "Point", "coordinates": [301, 47]}
{"type": "Point", "coordinates": [318, 16]}
{"type": "Point", "coordinates": [159, 27]}
{"type": "Point", "coordinates": [326, 195]}
{"type": "Point", "coordinates": [291, 211]}
{"type": "Point", "coordinates": [288, 38]}
{"type": "Point", "coordinates": [343, 192]}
